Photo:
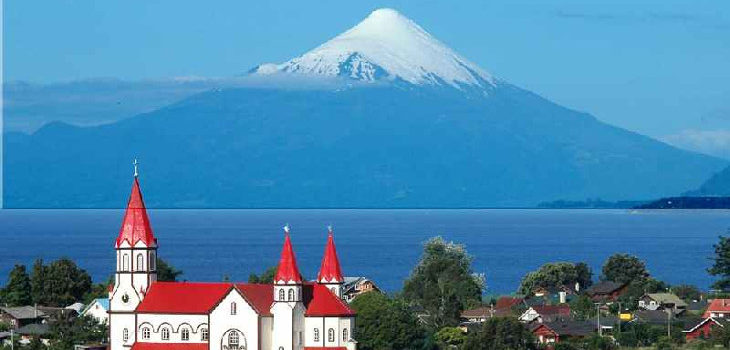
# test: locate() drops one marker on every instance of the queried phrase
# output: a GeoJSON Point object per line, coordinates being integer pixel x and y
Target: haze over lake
{"type": "Point", "coordinates": [381, 244]}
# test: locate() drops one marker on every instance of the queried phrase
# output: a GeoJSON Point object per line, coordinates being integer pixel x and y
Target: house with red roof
{"type": "Point", "coordinates": [545, 313]}
{"type": "Point", "coordinates": [718, 308]}
{"type": "Point", "coordinates": [289, 314]}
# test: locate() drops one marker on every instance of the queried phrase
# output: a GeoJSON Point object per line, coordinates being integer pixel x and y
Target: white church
{"type": "Point", "coordinates": [290, 314]}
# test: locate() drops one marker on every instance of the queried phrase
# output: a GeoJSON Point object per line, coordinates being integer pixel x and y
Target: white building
{"type": "Point", "coordinates": [290, 314]}
{"type": "Point", "coordinates": [98, 310]}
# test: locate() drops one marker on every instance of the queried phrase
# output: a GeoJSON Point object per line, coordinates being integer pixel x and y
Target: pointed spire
{"type": "Point", "coordinates": [330, 270]}
{"type": "Point", "coordinates": [287, 271]}
{"type": "Point", "coordinates": [136, 224]}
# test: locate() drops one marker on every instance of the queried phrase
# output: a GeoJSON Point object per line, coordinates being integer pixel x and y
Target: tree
{"type": "Point", "coordinates": [500, 333]}
{"type": "Point", "coordinates": [585, 275]}
{"type": "Point", "coordinates": [687, 292]}
{"type": "Point", "coordinates": [443, 283]}
{"type": "Point", "coordinates": [450, 338]}
{"type": "Point", "coordinates": [266, 277]}
{"type": "Point", "coordinates": [17, 291]}
{"type": "Point", "coordinates": [60, 283]}
{"type": "Point", "coordinates": [556, 274]}
{"type": "Point", "coordinates": [37, 280]}
{"type": "Point", "coordinates": [384, 323]}
{"type": "Point", "coordinates": [582, 307]}
{"type": "Point", "coordinates": [167, 272]}
{"type": "Point", "coordinates": [66, 332]}
{"type": "Point", "coordinates": [624, 268]}
{"type": "Point", "coordinates": [636, 289]}
{"type": "Point", "coordinates": [721, 264]}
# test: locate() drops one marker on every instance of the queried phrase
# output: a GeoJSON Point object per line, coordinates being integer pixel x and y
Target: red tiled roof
{"type": "Point", "coordinates": [717, 305]}
{"type": "Point", "coordinates": [169, 346]}
{"type": "Point", "coordinates": [552, 309]}
{"type": "Point", "coordinates": [507, 302]}
{"type": "Point", "coordinates": [183, 297]}
{"type": "Point", "coordinates": [261, 296]}
{"type": "Point", "coordinates": [136, 224]}
{"type": "Point", "coordinates": [324, 303]}
{"type": "Point", "coordinates": [330, 269]}
{"type": "Point", "coordinates": [287, 270]}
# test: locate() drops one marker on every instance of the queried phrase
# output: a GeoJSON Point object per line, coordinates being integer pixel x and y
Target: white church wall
{"type": "Point", "coordinates": [175, 323]}
{"type": "Point", "coordinates": [244, 321]}
{"type": "Point", "coordinates": [118, 323]}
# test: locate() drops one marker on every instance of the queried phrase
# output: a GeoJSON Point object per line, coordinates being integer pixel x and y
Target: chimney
{"type": "Point", "coordinates": [563, 296]}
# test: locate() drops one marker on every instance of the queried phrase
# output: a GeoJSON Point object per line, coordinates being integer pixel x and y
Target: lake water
{"type": "Point", "coordinates": [381, 244]}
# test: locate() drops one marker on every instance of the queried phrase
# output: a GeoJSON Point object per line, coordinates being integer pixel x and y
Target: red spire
{"type": "Point", "coordinates": [330, 270]}
{"type": "Point", "coordinates": [288, 270]}
{"type": "Point", "coordinates": [136, 224]}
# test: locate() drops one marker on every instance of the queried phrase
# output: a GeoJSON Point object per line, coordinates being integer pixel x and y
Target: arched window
{"type": "Point", "coordinates": [316, 334]}
{"type": "Point", "coordinates": [125, 262]}
{"type": "Point", "coordinates": [204, 334]}
{"type": "Point", "coordinates": [125, 335]}
{"type": "Point", "coordinates": [140, 262]}
{"type": "Point", "coordinates": [146, 333]}
{"type": "Point", "coordinates": [233, 308]}
{"type": "Point", "coordinates": [331, 335]}
{"type": "Point", "coordinates": [165, 334]}
{"type": "Point", "coordinates": [291, 294]}
{"type": "Point", "coordinates": [334, 290]}
{"type": "Point", "coordinates": [281, 294]}
{"type": "Point", "coordinates": [153, 261]}
{"type": "Point", "coordinates": [345, 335]}
{"type": "Point", "coordinates": [233, 338]}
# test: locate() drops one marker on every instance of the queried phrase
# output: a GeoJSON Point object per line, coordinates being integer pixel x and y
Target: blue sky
{"type": "Point", "coordinates": [657, 67]}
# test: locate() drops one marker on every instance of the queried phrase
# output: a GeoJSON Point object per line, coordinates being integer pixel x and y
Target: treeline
{"type": "Point", "coordinates": [61, 283]}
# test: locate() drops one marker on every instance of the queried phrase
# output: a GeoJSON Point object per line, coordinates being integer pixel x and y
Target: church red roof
{"type": "Point", "coordinates": [169, 346]}
{"type": "Point", "coordinates": [136, 224]}
{"type": "Point", "coordinates": [287, 270]}
{"type": "Point", "coordinates": [326, 303]}
{"type": "Point", "coordinates": [330, 269]}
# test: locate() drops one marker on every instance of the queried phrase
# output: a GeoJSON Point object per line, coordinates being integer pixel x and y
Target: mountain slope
{"type": "Point", "coordinates": [716, 185]}
{"type": "Point", "coordinates": [440, 138]}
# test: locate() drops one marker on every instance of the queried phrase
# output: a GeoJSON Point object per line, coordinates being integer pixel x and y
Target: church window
{"type": "Point", "coordinates": [146, 333]}
{"type": "Point", "coordinates": [301, 338]}
{"type": "Point", "coordinates": [331, 335]}
{"type": "Point", "coordinates": [140, 262]}
{"type": "Point", "coordinates": [316, 334]}
{"type": "Point", "coordinates": [334, 290]}
{"type": "Point", "coordinates": [344, 335]}
{"type": "Point", "coordinates": [125, 262]}
{"type": "Point", "coordinates": [185, 334]}
{"type": "Point", "coordinates": [125, 335]}
{"type": "Point", "coordinates": [204, 334]}
{"type": "Point", "coordinates": [233, 308]}
{"type": "Point", "coordinates": [291, 294]}
{"type": "Point", "coordinates": [233, 338]}
{"type": "Point", "coordinates": [165, 334]}
{"type": "Point", "coordinates": [281, 294]}
{"type": "Point", "coordinates": [153, 261]}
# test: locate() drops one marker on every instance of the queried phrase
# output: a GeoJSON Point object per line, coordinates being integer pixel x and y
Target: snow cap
{"type": "Point", "coordinates": [330, 270]}
{"type": "Point", "coordinates": [287, 271]}
{"type": "Point", "coordinates": [136, 224]}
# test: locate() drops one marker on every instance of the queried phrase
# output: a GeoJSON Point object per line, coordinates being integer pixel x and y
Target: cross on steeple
{"type": "Point", "coordinates": [135, 163]}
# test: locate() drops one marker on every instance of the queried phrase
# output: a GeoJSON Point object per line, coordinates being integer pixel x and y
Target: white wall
{"type": "Point", "coordinates": [98, 312]}
{"type": "Point", "coordinates": [118, 322]}
{"type": "Point", "coordinates": [245, 320]}
{"type": "Point", "coordinates": [175, 323]}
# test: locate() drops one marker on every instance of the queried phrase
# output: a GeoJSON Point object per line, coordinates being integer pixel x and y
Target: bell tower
{"type": "Point", "coordinates": [288, 309]}
{"type": "Point", "coordinates": [330, 273]}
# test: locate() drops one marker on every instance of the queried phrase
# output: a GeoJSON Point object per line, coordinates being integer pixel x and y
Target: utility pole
{"type": "Point", "coordinates": [598, 319]}
{"type": "Point", "coordinates": [12, 346]}
{"type": "Point", "coordinates": [669, 324]}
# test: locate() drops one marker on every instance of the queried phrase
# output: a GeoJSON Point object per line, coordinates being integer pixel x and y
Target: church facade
{"type": "Point", "coordinates": [290, 314]}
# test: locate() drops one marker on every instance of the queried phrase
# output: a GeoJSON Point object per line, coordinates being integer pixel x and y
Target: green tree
{"type": "Point", "coordinates": [65, 333]}
{"type": "Point", "coordinates": [624, 268]}
{"type": "Point", "coordinates": [721, 264]}
{"type": "Point", "coordinates": [687, 292]}
{"type": "Point", "coordinates": [266, 277]}
{"type": "Point", "coordinates": [585, 275]}
{"type": "Point", "coordinates": [443, 283]}
{"type": "Point", "coordinates": [582, 308]}
{"type": "Point", "coordinates": [450, 338]}
{"type": "Point", "coordinates": [167, 272]}
{"type": "Point", "coordinates": [17, 291]}
{"type": "Point", "coordinates": [385, 324]}
{"type": "Point", "coordinates": [500, 333]}
{"type": "Point", "coordinates": [553, 275]}
{"type": "Point", "coordinates": [38, 280]}
{"type": "Point", "coordinates": [60, 283]}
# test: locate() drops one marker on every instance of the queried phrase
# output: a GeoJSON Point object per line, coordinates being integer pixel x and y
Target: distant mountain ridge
{"type": "Point", "coordinates": [387, 130]}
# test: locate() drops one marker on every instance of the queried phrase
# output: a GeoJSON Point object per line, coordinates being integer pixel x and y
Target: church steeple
{"type": "Point", "coordinates": [287, 272]}
{"type": "Point", "coordinates": [136, 224]}
{"type": "Point", "coordinates": [330, 273]}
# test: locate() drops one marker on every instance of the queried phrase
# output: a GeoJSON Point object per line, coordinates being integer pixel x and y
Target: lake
{"type": "Point", "coordinates": [381, 244]}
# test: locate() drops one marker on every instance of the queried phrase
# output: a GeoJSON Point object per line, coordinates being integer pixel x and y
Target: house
{"type": "Point", "coordinates": [98, 310]}
{"type": "Point", "coordinates": [34, 330]}
{"type": "Point", "coordinates": [663, 301]}
{"type": "Point", "coordinates": [76, 307]}
{"type": "Point", "coordinates": [545, 313]}
{"type": "Point", "coordinates": [506, 303]}
{"type": "Point", "coordinates": [556, 331]}
{"type": "Point", "coordinates": [355, 286]}
{"type": "Point", "coordinates": [703, 329]}
{"type": "Point", "coordinates": [606, 290]}
{"type": "Point", "coordinates": [477, 315]}
{"type": "Point", "coordinates": [697, 307]}
{"type": "Point", "coordinates": [718, 308]}
{"type": "Point", "coordinates": [655, 317]}
{"type": "Point", "coordinates": [20, 316]}
{"type": "Point", "coordinates": [288, 314]}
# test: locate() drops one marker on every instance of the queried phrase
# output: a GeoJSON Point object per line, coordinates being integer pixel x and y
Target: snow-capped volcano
{"type": "Point", "coordinates": [386, 46]}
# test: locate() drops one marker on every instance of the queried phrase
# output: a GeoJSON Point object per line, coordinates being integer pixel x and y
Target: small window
{"type": "Point", "coordinates": [281, 294]}
{"type": "Point", "coordinates": [185, 334]}
{"type": "Point", "coordinates": [140, 262]}
{"type": "Point", "coordinates": [291, 294]}
{"type": "Point", "coordinates": [165, 334]}
{"type": "Point", "coordinates": [125, 262]}
{"type": "Point", "coordinates": [233, 338]}
{"type": "Point", "coordinates": [281, 348]}
{"type": "Point", "coordinates": [345, 335]}
{"type": "Point", "coordinates": [204, 334]}
{"type": "Point", "coordinates": [301, 338]}
{"type": "Point", "coordinates": [316, 334]}
{"type": "Point", "coordinates": [233, 308]}
{"type": "Point", "coordinates": [146, 333]}
{"type": "Point", "coordinates": [331, 335]}
{"type": "Point", "coordinates": [153, 261]}
{"type": "Point", "coordinates": [125, 335]}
